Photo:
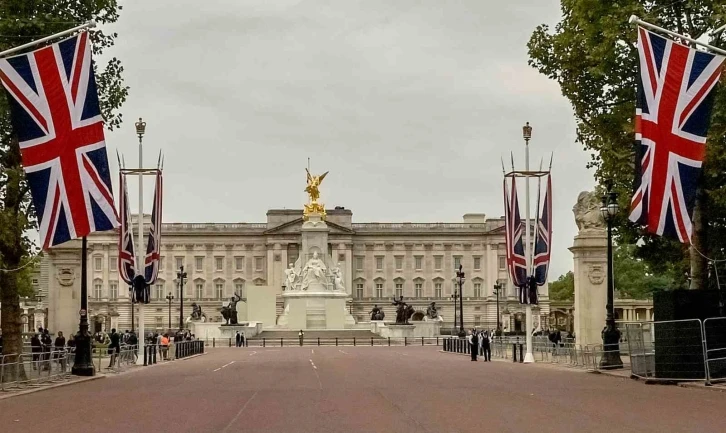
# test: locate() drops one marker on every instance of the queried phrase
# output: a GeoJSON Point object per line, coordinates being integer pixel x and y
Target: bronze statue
{"type": "Point", "coordinates": [377, 313]}
{"type": "Point", "coordinates": [431, 311]}
{"type": "Point", "coordinates": [197, 313]}
{"type": "Point", "coordinates": [229, 311]}
{"type": "Point", "coordinates": [313, 190]}
{"type": "Point", "coordinates": [403, 311]}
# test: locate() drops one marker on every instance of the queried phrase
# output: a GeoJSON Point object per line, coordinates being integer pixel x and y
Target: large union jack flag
{"type": "Point", "coordinates": [57, 118]}
{"type": "Point", "coordinates": [151, 265]}
{"type": "Point", "coordinates": [126, 257]}
{"type": "Point", "coordinates": [675, 96]}
{"type": "Point", "coordinates": [543, 237]}
{"type": "Point", "coordinates": [514, 230]}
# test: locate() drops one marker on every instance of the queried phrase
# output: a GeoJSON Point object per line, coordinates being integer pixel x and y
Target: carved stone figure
{"type": "Point", "coordinates": [314, 272]}
{"type": "Point", "coordinates": [596, 274]}
{"type": "Point", "coordinates": [587, 212]}
{"type": "Point", "coordinates": [290, 276]}
{"type": "Point", "coordinates": [377, 314]}
{"type": "Point", "coordinates": [338, 279]}
{"type": "Point", "coordinates": [431, 312]}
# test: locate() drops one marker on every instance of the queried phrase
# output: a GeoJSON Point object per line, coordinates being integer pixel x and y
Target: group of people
{"type": "Point", "coordinates": [480, 344]}
{"type": "Point", "coordinates": [163, 341]}
{"type": "Point", "coordinates": [42, 344]}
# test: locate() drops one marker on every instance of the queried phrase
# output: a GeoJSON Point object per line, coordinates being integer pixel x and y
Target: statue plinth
{"type": "Point", "coordinates": [590, 256]}
{"type": "Point", "coordinates": [397, 331]}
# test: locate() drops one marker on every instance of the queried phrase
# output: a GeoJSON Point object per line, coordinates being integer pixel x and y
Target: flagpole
{"type": "Point", "coordinates": [529, 357]}
{"type": "Point", "coordinates": [88, 25]}
{"type": "Point", "coordinates": [635, 20]}
{"type": "Point", "coordinates": [140, 130]}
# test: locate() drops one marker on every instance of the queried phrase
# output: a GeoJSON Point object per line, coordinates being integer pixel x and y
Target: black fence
{"type": "Point", "coordinates": [461, 345]}
{"type": "Point", "coordinates": [317, 342]}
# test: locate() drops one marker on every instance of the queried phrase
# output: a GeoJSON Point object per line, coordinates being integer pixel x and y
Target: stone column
{"type": "Point", "coordinates": [590, 255]}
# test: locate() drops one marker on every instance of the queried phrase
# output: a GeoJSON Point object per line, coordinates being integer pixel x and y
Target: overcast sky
{"type": "Point", "coordinates": [410, 104]}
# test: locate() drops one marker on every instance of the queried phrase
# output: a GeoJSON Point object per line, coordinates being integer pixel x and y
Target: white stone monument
{"type": "Point", "coordinates": [590, 255]}
{"type": "Point", "coordinates": [314, 295]}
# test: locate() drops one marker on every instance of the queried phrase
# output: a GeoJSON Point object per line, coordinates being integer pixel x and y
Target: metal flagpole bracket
{"type": "Point", "coordinates": [88, 25]}
{"type": "Point", "coordinates": [635, 20]}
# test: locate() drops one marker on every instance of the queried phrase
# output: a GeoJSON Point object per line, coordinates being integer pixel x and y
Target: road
{"type": "Point", "coordinates": [360, 389]}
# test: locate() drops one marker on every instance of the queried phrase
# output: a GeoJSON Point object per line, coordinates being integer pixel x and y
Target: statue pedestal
{"type": "Point", "coordinates": [590, 255]}
{"type": "Point", "coordinates": [208, 331]}
{"type": "Point", "coordinates": [397, 331]}
{"type": "Point", "coordinates": [315, 310]}
{"type": "Point", "coordinates": [430, 328]}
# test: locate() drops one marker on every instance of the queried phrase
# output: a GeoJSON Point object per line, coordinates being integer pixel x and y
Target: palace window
{"type": "Point", "coordinates": [477, 290]}
{"type": "Point", "coordinates": [359, 291]}
{"type": "Point", "coordinates": [379, 263]}
{"type": "Point", "coordinates": [219, 263]}
{"type": "Point", "coordinates": [379, 290]}
{"type": "Point", "coordinates": [437, 290]}
{"type": "Point", "coordinates": [113, 289]}
{"type": "Point", "coordinates": [161, 264]}
{"type": "Point", "coordinates": [418, 261]}
{"type": "Point", "coordinates": [239, 288]}
{"type": "Point", "coordinates": [97, 264]}
{"type": "Point", "coordinates": [359, 262]}
{"type": "Point", "coordinates": [179, 262]}
{"type": "Point", "coordinates": [200, 290]}
{"type": "Point", "coordinates": [457, 262]}
{"type": "Point", "coordinates": [219, 290]}
{"type": "Point", "coordinates": [438, 262]}
{"type": "Point", "coordinates": [160, 292]}
{"type": "Point", "coordinates": [97, 291]}
{"type": "Point", "coordinates": [399, 290]}
{"type": "Point", "coordinates": [258, 264]}
{"type": "Point", "coordinates": [239, 263]}
{"type": "Point", "coordinates": [399, 263]}
{"type": "Point", "coordinates": [199, 264]}
{"type": "Point", "coordinates": [112, 262]}
{"type": "Point", "coordinates": [419, 290]}
{"type": "Point", "coordinates": [477, 263]}
{"type": "Point", "coordinates": [502, 262]}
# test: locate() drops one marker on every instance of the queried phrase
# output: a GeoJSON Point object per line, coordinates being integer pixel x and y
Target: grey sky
{"type": "Point", "coordinates": [409, 104]}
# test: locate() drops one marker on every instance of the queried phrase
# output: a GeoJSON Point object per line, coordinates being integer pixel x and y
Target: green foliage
{"type": "Point", "coordinates": [563, 289]}
{"type": "Point", "coordinates": [635, 279]}
{"type": "Point", "coordinates": [592, 55]}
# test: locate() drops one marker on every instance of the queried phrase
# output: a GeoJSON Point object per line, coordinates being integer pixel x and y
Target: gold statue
{"type": "Point", "coordinates": [313, 190]}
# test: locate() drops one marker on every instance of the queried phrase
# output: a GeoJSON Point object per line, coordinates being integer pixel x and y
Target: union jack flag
{"type": "Point", "coordinates": [151, 265]}
{"type": "Point", "coordinates": [675, 96]}
{"type": "Point", "coordinates": [126, 257]}
{"type": "Point", "coordinates": [514, 230]}
{"type": "Point", "coordinates": [543, 237]}
{"type": "Point", "coordinates": [57, 118]}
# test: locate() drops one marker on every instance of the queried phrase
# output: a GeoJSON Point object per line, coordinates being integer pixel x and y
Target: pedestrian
{"type": "Point", "coordinates": [243, 339]}
{"type": "Point", "coordinates": [47, 341]}
{"type": "Point", "coordinates": [60, 345]}
{"type": "Point", "coordinates": [164, 346]}
{"type": "Point", "coordinates": [486, 346]}
{"type": "Point", "coordinates": [473, 344]}
{"type": "Point", "coordinates": [115, 347]}
{"type": "Point", "coordinates": [238, 339]}
{"type": "Point", "coordinates": [301, 335]}
{"type": "Point", "coordinates": [37, 348]}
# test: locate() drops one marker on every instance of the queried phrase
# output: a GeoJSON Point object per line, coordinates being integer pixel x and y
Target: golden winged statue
{"type": "Point", "coordinates": [313, 190]}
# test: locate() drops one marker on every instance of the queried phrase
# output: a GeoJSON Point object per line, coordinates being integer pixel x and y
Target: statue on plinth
{"type": "Point", "coordinates": [290, 277]}
{"type": "Point", "coordinates": [587, 212]}
{"type": "Point", "coordinates": [197, 314]}
{"type": "Point", "coordinates": [431, 312]}
{"type": "Point", "coordinates": [314, 272]}
{"type": "Point", "coordinates": [403, 311]}
{"type": "Point", "coordinates": [377, 313]}
{"type": "Point", "coordinates": [313, 190]}
{"type": "Point", "coordinates": [338, 279]}
{"type": "Point", "coordinates": [229, 311]}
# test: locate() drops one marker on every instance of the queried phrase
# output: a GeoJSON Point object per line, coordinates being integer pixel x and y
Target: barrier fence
{"type": "Point", "coordinates": [353, 341]}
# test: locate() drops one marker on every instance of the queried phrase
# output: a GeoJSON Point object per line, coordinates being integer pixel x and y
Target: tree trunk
{"type": "Point", "coordinates": [699, 271]}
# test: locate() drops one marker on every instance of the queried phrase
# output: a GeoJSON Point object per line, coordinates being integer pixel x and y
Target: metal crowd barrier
{"type": "Point", "coordinates": [354, 341]}
{"type": "Point", "coordinates": [20, 371]}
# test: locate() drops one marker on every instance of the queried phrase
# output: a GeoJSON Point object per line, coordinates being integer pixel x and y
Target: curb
{"type": "Point", "coordinates": [55, 385]}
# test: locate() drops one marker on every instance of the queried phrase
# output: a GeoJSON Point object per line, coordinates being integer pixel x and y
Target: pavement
{"type": "Point", "coordinates": [360, 389]}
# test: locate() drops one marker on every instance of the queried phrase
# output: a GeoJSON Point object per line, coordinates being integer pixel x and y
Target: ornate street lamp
{"type": "Point", "coordinates": [181, 276]}
{"type": "Point", "coordinates": [460, 281]}
{"type": "Point", "coordinates": [498, 287]}
{"type": "Point", "coordinates": [169, 298]}
{"type": "Point", "coordinates": [455, 297]}
{"type": "Point", "coordinates": [611, 334]}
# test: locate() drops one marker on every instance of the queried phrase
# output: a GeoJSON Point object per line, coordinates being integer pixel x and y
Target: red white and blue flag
{"type": "Point", "coordinates": [126, 256]}
{"type": "Point", "coordinates": [514, 230]}
{"type": "Point", "coordinates": [151, 265]}
{"type": "Point", "coordinates": [56, 115]}
{"type": "Point", "coordinates": [675, 96]}
{"type": "Point", "coordinates": [543, 237]}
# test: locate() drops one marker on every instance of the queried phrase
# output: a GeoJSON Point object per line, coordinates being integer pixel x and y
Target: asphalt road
{"type": "Point", "coordinates": [360, 389]}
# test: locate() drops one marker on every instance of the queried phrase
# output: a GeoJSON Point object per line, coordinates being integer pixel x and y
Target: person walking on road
{"type": "Point", "coordinates": [486, 346]}
{"type": "Point", "coordinates": [238, 339]}
{"type": "Point", "coordinates": [115, 347]}
{"type": "Point", "coordinates": [301, 335]}
{"type": "Point", "coordinates": [473, 344]}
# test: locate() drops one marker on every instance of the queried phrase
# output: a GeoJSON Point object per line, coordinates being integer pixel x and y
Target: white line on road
{"type": "Point", "coordinates": [253, 353]}
{"type": "Point", "coordinates": [312, 351]}
{"type": "Point", "coordinates": [225, 365]}
{"type": "Point", "coordinates": [236, 417]}
{"type": "Point", "coordinates": [218, 369]}
{"type": "Point", "coordinates": [342, 351]}
{"type": "Point", "coordinates": [313, 364]}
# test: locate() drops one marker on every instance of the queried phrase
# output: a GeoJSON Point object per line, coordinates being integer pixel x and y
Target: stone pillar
{"type": "Point", "coordinates": [590, 255]}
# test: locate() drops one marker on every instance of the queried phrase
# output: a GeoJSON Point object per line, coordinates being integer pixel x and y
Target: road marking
{"type": "Point", "coordinates": [225, 365]}
{"type": "Point", "coordinates": [253, 353]}
{"type": "Point", "coordinates": [313, 364]}
{"type": "Point", "coordinates": [312, 351]}
{"type": "Point", "coordinates": [218, 369]}
{"type": "Point", "coordinates": [236, 417]}
{"type": "Point", "coordinates": [342, 351]}
{"type": "Point", "coordinates": [317, 376]}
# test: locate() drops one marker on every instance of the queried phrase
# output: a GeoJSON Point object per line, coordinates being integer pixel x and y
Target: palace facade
{"type": "Point", "coordinates": [378, 261]}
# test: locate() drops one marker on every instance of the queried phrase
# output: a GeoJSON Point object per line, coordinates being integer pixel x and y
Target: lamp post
{"type": "Point", "coordinates": [140, 131]}
{"type": "Point", "coordinates": [180, 276]}
{"type": "Point", "coordinates": [83, 365]}
{"type": "Point", "coordinates": [497, 288]}
{"type": "Point", "coordinates": [170, 298]}
{"type": "Point", "coordinates": [454, 298]}
{"type": "Point", "coordinates": [460, 281]}
{"type": "Point", "coordinates": [527, 135]}
{"type": "Point", "coordinates": [611, 334]}
{"type": "Point", "coordinates": [133, 308]}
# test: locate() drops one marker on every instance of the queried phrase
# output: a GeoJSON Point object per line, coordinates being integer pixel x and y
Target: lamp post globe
{"type": "Point", "coordinates": [611, 334]}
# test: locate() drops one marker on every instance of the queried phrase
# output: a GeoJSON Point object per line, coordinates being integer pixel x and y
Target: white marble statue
{"type": "Point", "coordinates": [314, 272]}
{"type": "Point", "coordinates": [338, 279]}
{"type": "Point", "coordinates": [290, 276]}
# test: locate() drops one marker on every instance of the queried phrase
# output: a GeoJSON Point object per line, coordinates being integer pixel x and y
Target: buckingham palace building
{"type": "Point", "coordinates": [377, 260]}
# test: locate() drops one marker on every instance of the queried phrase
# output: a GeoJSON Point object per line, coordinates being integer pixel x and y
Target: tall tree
{"type": "Point", "coordinates": [593, 57]}
{"type": "Point", "coordinates": [23, 21]}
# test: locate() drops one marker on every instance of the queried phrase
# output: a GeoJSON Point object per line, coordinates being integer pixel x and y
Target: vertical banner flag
{"type": "Point", "coordinates": [516, 262]}
{"type": "Point", "coordinates": [151, 265]}
{"type": "Point", "coordinates": [56, 115]}
{"type": "Point", "coordinates": [675, 95]}
{"type": "Point", "coordinates": [543, 237]}
{"type": "Point", "coordinates": [126, 257]}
